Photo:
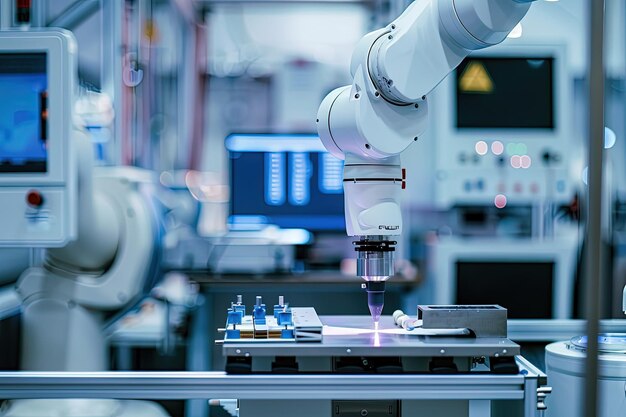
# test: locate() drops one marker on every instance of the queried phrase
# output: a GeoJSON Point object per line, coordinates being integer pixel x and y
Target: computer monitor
{"type": "Point", "coordinates": [502, 92]}
{"type": "Point", "coordinates": [288, 180]}
{"type": "Point", "coordinates": [23, 118]}
{"type": "Point", "coordinates": [37, 164]}
{"type": "Point", "coordinates": [508, 272]}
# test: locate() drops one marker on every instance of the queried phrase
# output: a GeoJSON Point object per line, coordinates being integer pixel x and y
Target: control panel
{"type": "Point", "coordinates": [502, 129]}
{"type": "Point", "coordinates": [490, 171]}
{"type": "Point", "coordinates": [37, 162]}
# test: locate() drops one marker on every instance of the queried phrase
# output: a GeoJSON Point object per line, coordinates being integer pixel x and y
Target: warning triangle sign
{"type": "Point", "coordinates": [475, 79]}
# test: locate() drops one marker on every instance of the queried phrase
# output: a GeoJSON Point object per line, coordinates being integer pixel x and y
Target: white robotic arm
{"type": "Point", "coordinates": [369, 123]}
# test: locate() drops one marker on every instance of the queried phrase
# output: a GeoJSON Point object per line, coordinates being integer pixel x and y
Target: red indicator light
{"type": "Point", "coordinates": [34, 199]}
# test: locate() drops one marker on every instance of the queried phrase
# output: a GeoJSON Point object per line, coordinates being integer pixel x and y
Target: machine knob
{"type": "Point", "coordinates": [550, 157]}
{"type": "Point", "coordinates": [34, 199]}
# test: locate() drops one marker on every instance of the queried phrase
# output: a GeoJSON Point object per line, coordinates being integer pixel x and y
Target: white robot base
{"type": "Point", "coordinates": [62, 309]}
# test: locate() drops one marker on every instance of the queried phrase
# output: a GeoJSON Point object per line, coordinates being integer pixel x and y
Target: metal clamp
{"type": "Point", "coordinates": [542, 393]}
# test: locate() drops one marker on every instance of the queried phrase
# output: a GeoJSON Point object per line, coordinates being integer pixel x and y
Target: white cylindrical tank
{"type": "Point", "coordinates": [565, 366]}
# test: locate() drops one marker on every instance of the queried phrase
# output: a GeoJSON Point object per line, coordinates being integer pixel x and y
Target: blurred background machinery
{"type": "Point", "coordinates": [208, 107]}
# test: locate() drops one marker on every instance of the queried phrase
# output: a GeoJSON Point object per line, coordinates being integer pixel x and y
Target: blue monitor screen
{"type": "Point", "coordinates": [286, 180]}
{"type": "Point", "coordinates": [23, 112]}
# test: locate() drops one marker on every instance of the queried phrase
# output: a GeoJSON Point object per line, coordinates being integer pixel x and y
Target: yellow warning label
{"type": "Point", "coordinates": [475, 79]}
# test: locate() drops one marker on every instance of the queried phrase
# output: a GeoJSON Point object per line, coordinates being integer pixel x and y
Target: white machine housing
{"type": "Point", "coordinates": [54, 223]}
{"type": "Point", "coordinates": [63, 302]}
{"type": "Point", "coordinates": [100, 231]}
{"type": "Point", "coordinates": [565, 367]}
{"type": "Point", "coordinates": [465, 177]}
{"type": "Point", "coordinates": [98, 228]}
{"type": "Point", "coordinates": [444, 253]}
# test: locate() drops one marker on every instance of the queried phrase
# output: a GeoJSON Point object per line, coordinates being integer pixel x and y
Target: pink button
{"type": "Point", "coordinates": [500, 201]}
{"type": "Point", "coordinates": [481, 147]}
{"type": "Point", "coordinates": [497, 148]}
{"type": "Point", "coordinates": [516, 161]}
{"type": "Point", "coordinates": [534, 188]}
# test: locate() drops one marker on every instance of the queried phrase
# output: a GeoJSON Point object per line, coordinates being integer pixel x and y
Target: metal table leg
{"type": "Point", "coordinates": [124, 358]}
{"type": "Point", "coordinates": [479, 408]}
{"type": "Point", "coordinates": [198, 356]}
{"type": "Point", "coordinates": [534, 378]}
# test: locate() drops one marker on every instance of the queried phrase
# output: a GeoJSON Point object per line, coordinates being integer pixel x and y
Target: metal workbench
{"type": "Point", "coordinates": [541, 330]}
{"type": "Point", "coordinates": [478, 390]}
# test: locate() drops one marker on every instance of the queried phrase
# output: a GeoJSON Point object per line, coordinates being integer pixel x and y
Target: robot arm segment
{"type": "Point", "coordinates": [98, 228]}
{"type": "Point", "coordinates": [431, 38]}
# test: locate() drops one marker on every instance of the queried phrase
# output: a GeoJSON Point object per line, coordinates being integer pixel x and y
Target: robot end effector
{"type": "Point", "coordinates": [371, 122]}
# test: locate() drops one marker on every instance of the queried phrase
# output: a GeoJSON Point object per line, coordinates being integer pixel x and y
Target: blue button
{"type": "Point", "coordinates": [560, 186]}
